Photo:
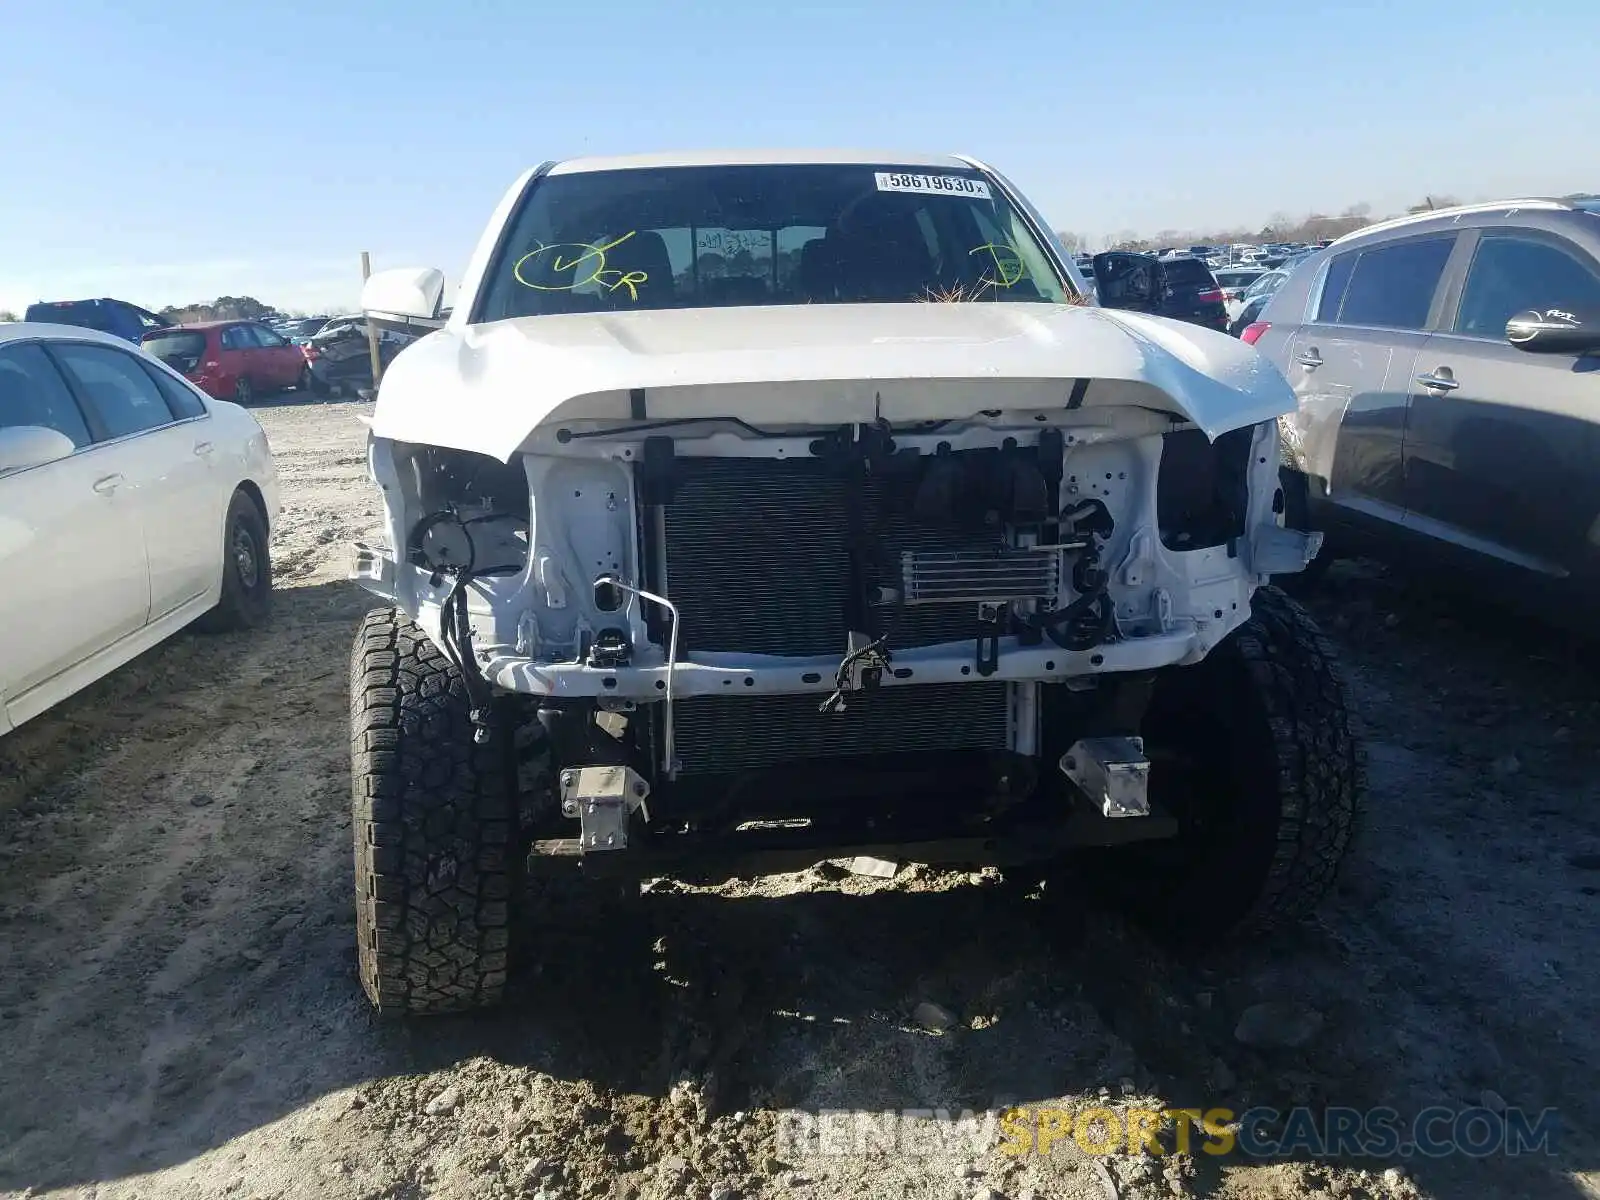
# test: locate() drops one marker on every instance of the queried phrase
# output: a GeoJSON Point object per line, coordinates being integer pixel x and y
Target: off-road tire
{"type": "Point", "coordinates": [435, 822]}
{"type": "Point", "coordinates": [246, 588]}
{"type": "Point", "coordinates": [1254, 750]}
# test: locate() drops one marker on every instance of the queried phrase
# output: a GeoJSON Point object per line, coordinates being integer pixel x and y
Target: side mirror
{"type": "Point", "coordinates": [24, 446]}
{"type": "Point", "coordinates": [1553, 332]}
{"type": "Point", "coordinates": [406, 300]}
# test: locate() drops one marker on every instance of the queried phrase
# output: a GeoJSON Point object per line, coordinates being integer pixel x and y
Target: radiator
{"type": "Point", "coordinates": [756, 562]}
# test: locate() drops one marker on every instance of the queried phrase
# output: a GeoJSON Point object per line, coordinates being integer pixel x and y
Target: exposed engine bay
{"type": "Point", "coordinates": [732, 602]}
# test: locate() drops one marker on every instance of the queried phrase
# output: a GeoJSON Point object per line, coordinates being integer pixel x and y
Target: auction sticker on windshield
{"type": "Point", "coordinates": [946, 185]}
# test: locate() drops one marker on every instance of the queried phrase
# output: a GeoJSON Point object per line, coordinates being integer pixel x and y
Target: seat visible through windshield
{"type": "Point", "coordinates": [695, 237]}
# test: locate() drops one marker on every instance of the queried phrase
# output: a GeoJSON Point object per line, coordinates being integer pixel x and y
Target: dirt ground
{"type": "Point", "coordinates": [179, 1012]}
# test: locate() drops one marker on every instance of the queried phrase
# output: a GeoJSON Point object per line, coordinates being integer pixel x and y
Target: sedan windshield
{"type": "Point", "coordinates": [699, 237]}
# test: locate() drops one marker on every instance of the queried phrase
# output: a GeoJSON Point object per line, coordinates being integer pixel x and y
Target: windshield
{"type": "Point", "coordinates": [699, 237]}
{"type": "Point", "coordinates": [1266, 285]}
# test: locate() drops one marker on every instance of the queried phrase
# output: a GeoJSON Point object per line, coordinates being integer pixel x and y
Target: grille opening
{"type": "Point", "coordinates": [756, 558]}
{"type": "Point", "coordinates": [719, 735]}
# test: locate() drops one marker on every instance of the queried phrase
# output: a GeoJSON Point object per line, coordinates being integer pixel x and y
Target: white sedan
{"type": "Point", "coordinates": [130, 505]}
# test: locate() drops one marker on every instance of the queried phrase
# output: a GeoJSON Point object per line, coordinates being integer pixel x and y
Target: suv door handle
{"type": "Point", "coordinates": [1310, 360]}
{"type": "Point", "coordinates": [107, 484]}
{"type": "Point", "coordinates": [1443, 383]}
{"type": "Point", "coordinates": [203, 448]}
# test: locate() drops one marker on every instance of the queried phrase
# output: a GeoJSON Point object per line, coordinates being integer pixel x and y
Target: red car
{"type": "Point", "coordinates": [231, 360]}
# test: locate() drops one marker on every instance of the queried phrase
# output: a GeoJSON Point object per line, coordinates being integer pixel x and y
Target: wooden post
{"type": "Point", "coordinates": [372, 330]}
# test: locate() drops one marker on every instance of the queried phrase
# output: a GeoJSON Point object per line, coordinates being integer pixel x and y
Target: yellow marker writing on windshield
{"type": "Point", "coordinates": [630, 281]}
{"type": "Point", "coordinates": [1007, 263]}
{"type": "Point", "coordinates": [590, 256]}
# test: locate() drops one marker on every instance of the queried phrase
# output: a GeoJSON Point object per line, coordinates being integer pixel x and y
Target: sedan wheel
{"type": "Point", "coordinates": [243, 393]}
{"type": "Point", "coordinates": [246, 569]}
{"type": "Point", "coordinates": [246, 556]}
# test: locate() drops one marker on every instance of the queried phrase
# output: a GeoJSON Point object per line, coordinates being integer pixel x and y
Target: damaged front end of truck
{"type": "Point", "coordinates": [760, 621]}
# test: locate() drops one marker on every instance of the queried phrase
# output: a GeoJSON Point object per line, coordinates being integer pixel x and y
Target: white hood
{"type": "Point", "coordinates": [486, 388]}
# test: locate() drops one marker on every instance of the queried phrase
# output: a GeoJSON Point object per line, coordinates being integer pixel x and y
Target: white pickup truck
{"type": "Point", "coordinates": [749, 510]}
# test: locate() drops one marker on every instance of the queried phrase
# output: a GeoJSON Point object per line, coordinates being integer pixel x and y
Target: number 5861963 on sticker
{"type": "Point", "coordinates": [946, 185]}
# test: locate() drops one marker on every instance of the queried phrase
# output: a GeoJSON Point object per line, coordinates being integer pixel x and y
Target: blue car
{"type": "Point", "coordinates": [116, 317]}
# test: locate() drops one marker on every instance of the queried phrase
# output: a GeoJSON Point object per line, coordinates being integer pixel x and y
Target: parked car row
{"type": "Point", "coordinates": [1182, 288]}
{"type": "Point", "coordinates": [240, 360]}
{"type": "Point", "coordinates": [298, 330]}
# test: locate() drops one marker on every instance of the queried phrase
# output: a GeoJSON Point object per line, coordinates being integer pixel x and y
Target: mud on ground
{"type": "Point", "coordinates": [179, 1014]}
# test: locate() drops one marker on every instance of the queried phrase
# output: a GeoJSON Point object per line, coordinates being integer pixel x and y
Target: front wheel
{"type": "Point", "coordinates": [246, 570]}
{"type": "Point", "coordinates": [1253, 751]}
{"type": "Point", "coordinates": [436, 828]}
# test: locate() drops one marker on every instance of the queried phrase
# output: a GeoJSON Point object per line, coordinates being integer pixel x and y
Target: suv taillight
{"type": "Point", "coordinates": [1210, 296]}
{"type": "Point", "coordinates": [1252, 332]}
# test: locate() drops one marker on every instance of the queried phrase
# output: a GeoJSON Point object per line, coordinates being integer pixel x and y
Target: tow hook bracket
{"type": "Point", "coordinates": [372, 567]}
{"type": "Point", "coordinates": [603, 798]}
{"type": "Point", "coordinates": [1113, 772]}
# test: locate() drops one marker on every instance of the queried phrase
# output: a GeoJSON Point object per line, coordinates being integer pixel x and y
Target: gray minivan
{"type": "Point", "coordinates": [1447, 366]}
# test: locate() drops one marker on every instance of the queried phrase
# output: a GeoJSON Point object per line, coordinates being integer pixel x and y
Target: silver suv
{"type": "Point", "coordinates": [1447, 371]}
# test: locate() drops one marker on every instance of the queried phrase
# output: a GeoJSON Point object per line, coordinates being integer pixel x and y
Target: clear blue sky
{"type": "Point", "coordinates": [174, 151]}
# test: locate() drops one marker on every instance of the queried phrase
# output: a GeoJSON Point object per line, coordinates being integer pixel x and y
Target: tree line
{"type": "Point", "coordinates": [223, 308]}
